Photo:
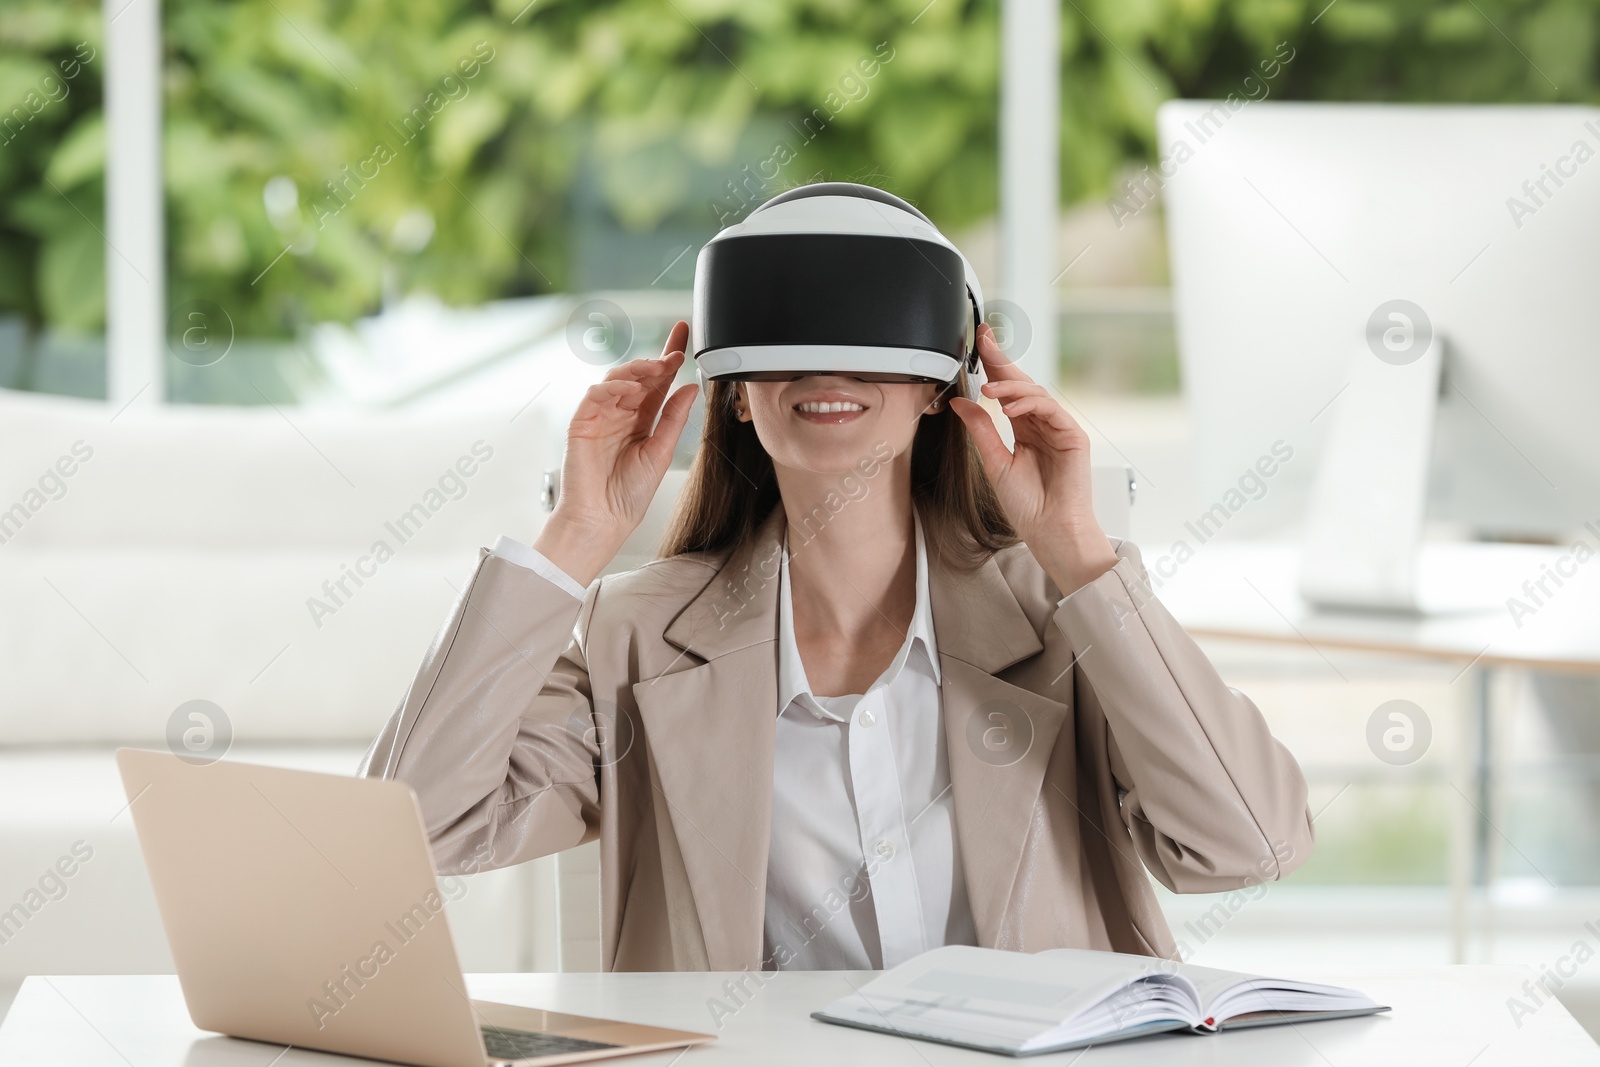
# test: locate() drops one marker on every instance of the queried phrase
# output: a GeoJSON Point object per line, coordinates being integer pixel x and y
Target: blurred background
{"type": "Point", "coordinates": [351, 243]}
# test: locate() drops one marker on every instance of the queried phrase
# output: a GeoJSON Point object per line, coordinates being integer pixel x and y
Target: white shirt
{"type": "Point", "coordinates": [863, 870]}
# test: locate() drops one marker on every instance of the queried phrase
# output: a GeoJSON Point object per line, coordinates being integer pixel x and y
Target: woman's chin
{"type": "Point", "coordinates": [836, 458]}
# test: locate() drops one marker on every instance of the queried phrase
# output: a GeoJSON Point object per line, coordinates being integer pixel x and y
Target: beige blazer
{"type": "Point", "coordinates": [1087, 744]}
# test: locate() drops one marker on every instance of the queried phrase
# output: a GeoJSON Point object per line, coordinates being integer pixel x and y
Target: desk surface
{"type": "Point", "coordinates": [1452, 1016]}
{"type": "Point", "coordinates": [1248, 590]}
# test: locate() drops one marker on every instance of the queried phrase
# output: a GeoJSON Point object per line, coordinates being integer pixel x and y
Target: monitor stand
{"type": "Point", "coordinates": [1363, 545]}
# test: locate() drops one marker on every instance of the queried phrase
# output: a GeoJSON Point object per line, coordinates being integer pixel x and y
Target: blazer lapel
{"type": "Point", "coordinates": [710, 731]}
{"type": "Point", "coordinates": [999, 736]}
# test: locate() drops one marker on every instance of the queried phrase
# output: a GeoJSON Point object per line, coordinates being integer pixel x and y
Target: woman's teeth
{"type": "Point", "coordinates": [820, 407]}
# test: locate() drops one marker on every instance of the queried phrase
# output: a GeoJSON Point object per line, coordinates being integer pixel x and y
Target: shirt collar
{"type": "Point", "coordinates": [792, 680]}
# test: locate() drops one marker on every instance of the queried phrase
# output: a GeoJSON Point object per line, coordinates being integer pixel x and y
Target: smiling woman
{"type": "Point", "coordinates": [955, 693]}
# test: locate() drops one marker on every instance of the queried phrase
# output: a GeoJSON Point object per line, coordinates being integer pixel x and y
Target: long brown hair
{"type": "Point", "coordinates": [732, 486]}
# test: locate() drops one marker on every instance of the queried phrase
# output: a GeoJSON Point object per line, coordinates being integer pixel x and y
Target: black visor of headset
{"type": "Point", "coordinates": [765, 292]}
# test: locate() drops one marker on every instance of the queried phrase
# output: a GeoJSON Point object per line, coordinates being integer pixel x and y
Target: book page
{"type": "Point", "coordinates": [1012, 1000]}
{"type": "Point", "coordinates": [1225, 994]}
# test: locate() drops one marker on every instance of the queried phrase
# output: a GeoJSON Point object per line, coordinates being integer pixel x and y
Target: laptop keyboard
{"type": "Point", "coordinates": [526, 1045]}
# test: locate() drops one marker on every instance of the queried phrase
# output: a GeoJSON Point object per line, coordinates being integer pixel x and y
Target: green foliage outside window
{"type": "Point", "coordinates": [320, 154]}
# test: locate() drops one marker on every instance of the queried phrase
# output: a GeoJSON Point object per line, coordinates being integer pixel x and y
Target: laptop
{"type": "Point", "coordinates": [303, 909]}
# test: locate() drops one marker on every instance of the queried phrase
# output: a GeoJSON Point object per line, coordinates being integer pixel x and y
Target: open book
{"type": "Point", "coordinates": [1021, 1003]}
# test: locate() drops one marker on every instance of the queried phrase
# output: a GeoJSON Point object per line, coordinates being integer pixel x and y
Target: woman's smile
{"type": "Point", "coordinates": [830, 408]}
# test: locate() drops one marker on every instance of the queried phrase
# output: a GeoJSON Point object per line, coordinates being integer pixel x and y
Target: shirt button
{"type": "Point", "coordinates": [866, 718]}
{"type": "Point", "coordinates": [886, 850]}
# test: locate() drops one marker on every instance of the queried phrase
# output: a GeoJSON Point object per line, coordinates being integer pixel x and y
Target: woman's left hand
{"type": "Point", "coordinates": [1044, 485]}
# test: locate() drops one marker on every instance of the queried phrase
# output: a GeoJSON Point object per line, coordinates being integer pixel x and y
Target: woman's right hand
{"type": "Point", "coordinates": [614, 463]}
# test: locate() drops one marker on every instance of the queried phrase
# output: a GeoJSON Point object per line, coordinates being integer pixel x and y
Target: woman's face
{"type": "Point", "coordinates": [855, 419]}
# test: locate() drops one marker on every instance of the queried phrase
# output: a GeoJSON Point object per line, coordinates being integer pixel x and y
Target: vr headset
{"type": "Point", "coordinates": [836, 278]}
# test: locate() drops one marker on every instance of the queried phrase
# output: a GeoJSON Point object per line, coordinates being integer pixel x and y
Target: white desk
{"type": "Point", "coordinates": [1450, 1016]}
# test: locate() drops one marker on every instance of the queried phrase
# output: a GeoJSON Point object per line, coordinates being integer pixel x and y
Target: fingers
{"type": "Point", "coordinates": [674, 415]}
{"type": "Point", "coordinates": [1043, 416]}
{"type": "Point", "coordinates": [664, 365]}
{"type": "Point", "coordinates": [608, 391]}
{"type": "Point", "coordinates": [602, 404]}
{"type": "Point", "coordinates": [997, 366]}
{"type": "Point", "coordinates": [677, 339]}
{"type": "Point", "coordinates": [630, 395]}
{"type": "Point", "coordinates": [638, 397]}
{"type": "Point", "coordinates": [645, 370]}
{"type": "Point", "coordinates": [1051, 414]}
{"type": "Point", "coordinates": [1012, 388]}
{"type": "Point", "coordinates": [985, 437]}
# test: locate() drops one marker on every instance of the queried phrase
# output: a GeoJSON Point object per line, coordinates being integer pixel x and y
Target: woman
{"type": "Point", "coordinates": [890, 687]}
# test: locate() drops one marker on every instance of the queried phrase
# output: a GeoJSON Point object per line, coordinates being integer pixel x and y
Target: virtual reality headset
{"type": "Point", "coordinates": [836, 278]}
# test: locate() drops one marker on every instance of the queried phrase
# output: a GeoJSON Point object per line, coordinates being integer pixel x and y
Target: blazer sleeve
{"type": "Point", "coordinates": [497, 734]}
{"type": "Point", "coordinates": [1211, 799]}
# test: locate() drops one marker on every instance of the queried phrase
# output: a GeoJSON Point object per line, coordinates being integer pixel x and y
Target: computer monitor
{"type": "Point", "coordinates": [1409, 298]}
